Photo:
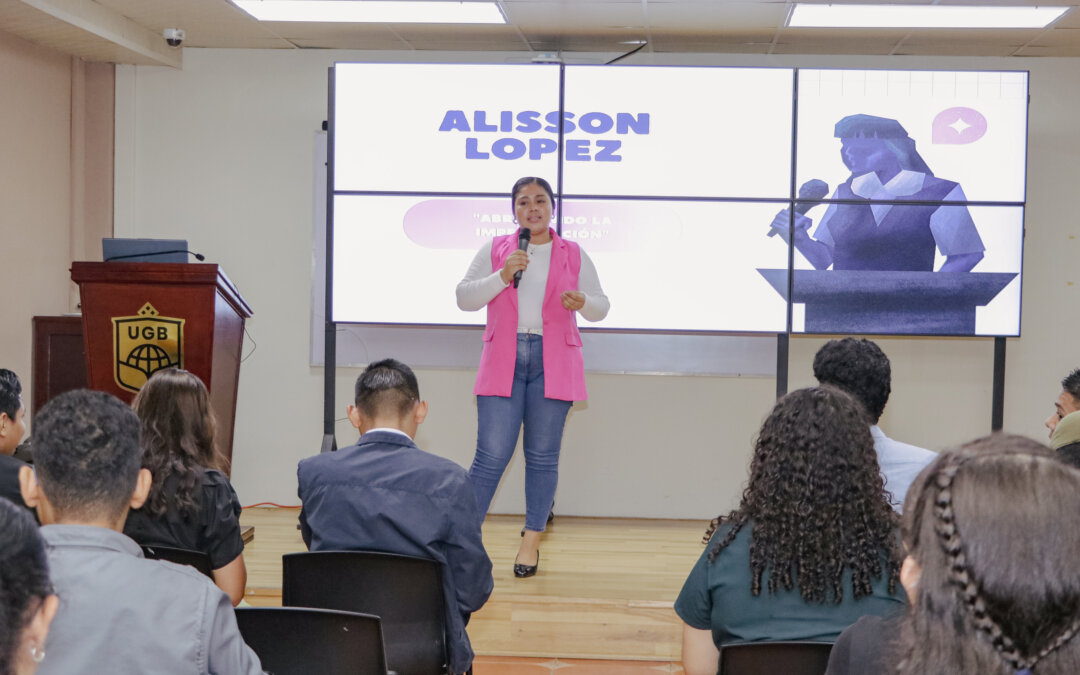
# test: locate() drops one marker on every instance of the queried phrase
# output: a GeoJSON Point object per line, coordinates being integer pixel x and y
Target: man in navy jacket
{"type": "Point", "coordinates": [386, 494]}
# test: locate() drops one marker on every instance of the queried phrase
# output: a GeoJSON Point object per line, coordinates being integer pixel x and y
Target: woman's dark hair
{"type": "Point", "coordinates": [177, 436]}
{"type": "Point", "coordinates": [529, 180]}
{"type": "Point", "coordinates": [992, 526]}
{"type": "Point", "coordinates": [10, 393]}
{"type": "Point", "coordinates": [815, 501]}
{"type": "Point", "coordinates": [891, 134]}
{"type": "Point", "coordinates": [24, 578]}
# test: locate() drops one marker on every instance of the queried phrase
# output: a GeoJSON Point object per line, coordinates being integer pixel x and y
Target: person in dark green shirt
{"type": "Point", "coordinates": [812, 546]}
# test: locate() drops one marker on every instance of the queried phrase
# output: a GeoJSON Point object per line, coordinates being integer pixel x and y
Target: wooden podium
{"type": "Point", "coordinates": [142, 317]}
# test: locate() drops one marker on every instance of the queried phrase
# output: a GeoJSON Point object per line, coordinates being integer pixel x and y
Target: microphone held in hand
{"type": "Point", "coordinates": [813, 189]}
{"type": "Point", "coordinates": [524, 236]}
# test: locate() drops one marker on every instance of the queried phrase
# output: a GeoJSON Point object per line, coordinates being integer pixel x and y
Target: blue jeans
{"type": "Point", "coordinates": [501, 419]}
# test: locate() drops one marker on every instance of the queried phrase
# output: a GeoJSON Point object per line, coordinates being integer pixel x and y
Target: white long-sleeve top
{"type": "Point", "coordinates": [481, 284]}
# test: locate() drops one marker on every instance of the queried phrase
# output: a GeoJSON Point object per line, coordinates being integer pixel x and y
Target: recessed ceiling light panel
{"type": "Point", "coordinates": [373, 11]}
{"type": "Point", "coordinates": [921, 16]}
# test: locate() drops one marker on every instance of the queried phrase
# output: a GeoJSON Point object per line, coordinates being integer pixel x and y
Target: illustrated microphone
{"type": "Point", "coordinates": [812, 189]}
{"type": "Point", "coordinates": [198, 256]}
{"type": "Point", "coordinates": [524, 235]}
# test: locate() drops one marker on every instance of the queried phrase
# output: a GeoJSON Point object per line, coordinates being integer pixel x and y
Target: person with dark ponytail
{"type": "Point", "coordinates": [813, 544]}
{"type": "Point", "coordinates": [191, 505]}
{"type": "Point", "coordinates": [27, 601]}
{"type": "Point", "coordinates": [990, 570]}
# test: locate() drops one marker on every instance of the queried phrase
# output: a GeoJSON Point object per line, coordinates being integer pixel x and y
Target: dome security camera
{"type": "Point", "coordinates": [174, 37]}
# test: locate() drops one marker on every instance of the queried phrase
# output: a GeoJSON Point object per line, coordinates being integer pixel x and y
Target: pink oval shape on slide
{"type": "Point", "coordinates": [597, 225]}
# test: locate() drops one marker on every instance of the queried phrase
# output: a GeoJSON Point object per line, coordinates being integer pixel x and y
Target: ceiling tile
{"type": "Point", "coordinates": [313, 32]}
{"type": "Point", "coordinates": [570, 18]}
{"type": "Point", "coordinates": [696, 17]}
{"type": "Point", "coordinates": [1058, 37]}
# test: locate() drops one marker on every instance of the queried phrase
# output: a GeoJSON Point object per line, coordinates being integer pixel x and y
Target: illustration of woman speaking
{"type": "Point", "coordinates": [893, 210]}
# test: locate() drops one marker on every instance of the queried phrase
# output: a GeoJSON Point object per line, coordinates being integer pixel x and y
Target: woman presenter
{"type": "Point", "coordinates": [531, 368]}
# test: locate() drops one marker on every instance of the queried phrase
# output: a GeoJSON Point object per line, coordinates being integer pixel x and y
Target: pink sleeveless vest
{"type": "Point", "coordinates": [564, 368]}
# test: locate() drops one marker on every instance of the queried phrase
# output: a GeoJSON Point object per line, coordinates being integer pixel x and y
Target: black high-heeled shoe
{"type": "Point", "coordinates": [523, 571]}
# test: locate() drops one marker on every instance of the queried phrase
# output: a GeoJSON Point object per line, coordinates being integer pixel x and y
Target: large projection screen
{"type": "Point", "coordinates": [676, 182]}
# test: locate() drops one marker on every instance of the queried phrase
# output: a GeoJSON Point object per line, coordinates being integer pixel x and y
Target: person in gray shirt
{"type": "Point", "coordinates": [119, 613]}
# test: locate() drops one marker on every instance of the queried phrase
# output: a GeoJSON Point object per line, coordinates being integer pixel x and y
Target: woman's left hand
{"type": "Point", "coordinates": [573, 300]}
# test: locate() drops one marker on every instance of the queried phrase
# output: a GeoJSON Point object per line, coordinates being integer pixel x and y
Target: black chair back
{"type": "Point", "coordinates": [180, 556]}
{"type": "Point", "coordinates": [775, 658]}
{"type": "Point", "coordinates": [404, 591]}
{"type": "Point", "coordinates": [295, 641]}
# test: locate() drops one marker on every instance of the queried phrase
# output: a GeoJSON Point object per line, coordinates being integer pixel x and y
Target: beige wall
{"type": "Point", "coordinates": [56, 157]}
{"type": "Point", "coordinates": [222, 152]}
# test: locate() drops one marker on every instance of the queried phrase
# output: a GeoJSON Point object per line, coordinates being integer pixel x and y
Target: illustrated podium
{"type": "Point", "coordinates": [875, 302]}
{"type": "Point", "coordinates": [141, 317]}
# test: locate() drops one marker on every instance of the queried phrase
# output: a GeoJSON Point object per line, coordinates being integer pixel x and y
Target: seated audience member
{"type": "Point", "coordinates": [994, 586]}
{"type": "Point", "coordinates": [1065, 439]}
{"type": "Point", "coordinates": [12, 428]}
{"type": "Point", "coordinates": [119, 613]}
{"type": "Point", "coordinates": [191, 503]}
{"type": "Point", "coordinates": [860, 368]}
{"type": "Point", "coordinates": [812, 545]}
{"type": "Point", "coordinates": [386, 494]}
{"type": "Point", "coordinates": [27, 602]}
{"type": "Point", "coordinates": [1068, 401]}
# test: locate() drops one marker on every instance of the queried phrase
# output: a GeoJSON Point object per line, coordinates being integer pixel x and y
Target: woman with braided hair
{"type": "Point", "coordinates": [813, 544]}
{"type": "Point", "coordinates": [991, 570]}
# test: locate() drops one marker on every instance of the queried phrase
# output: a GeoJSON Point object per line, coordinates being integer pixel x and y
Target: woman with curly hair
{"type": "Point", "coordinates": [191, 503]}
{"type": "Point", "coordinates": [27, 601]}
{"type": "Point", "coordinates": [812, 545]}
{"type": "Point", "coordinates": [991, 570]}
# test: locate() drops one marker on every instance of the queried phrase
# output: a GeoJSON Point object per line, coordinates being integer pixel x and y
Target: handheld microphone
{"type": "Point", "coordinates": [198, 256]}
{"type": "Point", "coordinates": [524, 235]}
{"type": "Point", "coordinates": [812, 189]}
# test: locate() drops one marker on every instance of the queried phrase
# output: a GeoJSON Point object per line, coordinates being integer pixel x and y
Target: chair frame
{"type": "Point", "coordinates": [790, 657]}
{"type": "Point", "coordinates": [181, 556]}
{"type": "Point", "coordinates": [305, 628]}
{"type": "Point", "coordinates": [399, 627]}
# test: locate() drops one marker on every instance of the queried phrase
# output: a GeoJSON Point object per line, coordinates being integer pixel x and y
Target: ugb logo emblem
{"type": "Point", "coordinates": [145, 344]}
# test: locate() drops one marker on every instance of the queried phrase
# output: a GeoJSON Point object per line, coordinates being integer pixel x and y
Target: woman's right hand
{"type": "Point", "coordinates": [518, 260]}
{"type": "Point", "coordinates": [779, 225]}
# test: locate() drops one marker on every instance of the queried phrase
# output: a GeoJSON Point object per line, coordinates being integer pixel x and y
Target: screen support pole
{"type": "Point", "coordinates": [997, 414]}
{"type": "Point", "coordinates": [782, 363]}
{"type": "Point", "coordinates": [329, 440]}
{"type": "Point", "coordinates": [783, 339]}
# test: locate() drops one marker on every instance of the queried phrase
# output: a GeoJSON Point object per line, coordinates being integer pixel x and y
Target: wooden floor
{"type": "Point", "coordinates": [604, 591]}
